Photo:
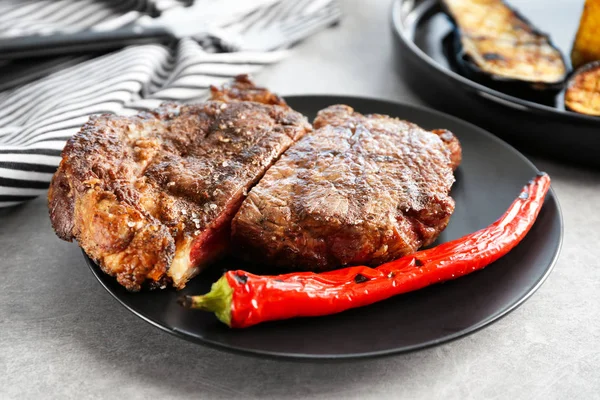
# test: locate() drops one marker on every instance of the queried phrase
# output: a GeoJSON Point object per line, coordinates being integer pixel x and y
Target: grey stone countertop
{"type": "Point", "coordinates": [63, 336]}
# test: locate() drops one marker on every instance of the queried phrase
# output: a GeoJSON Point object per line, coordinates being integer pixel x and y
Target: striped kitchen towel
{"type": "Point", "coordinates": [44, 103]}
{"type": "Point", "coordinates": [33, 17]}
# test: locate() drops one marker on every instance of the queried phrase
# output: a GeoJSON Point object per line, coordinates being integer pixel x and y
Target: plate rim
{"type": "Point", "coordinates": [480, 90]}
{"type": "Point", "coordinates": [280, 355]}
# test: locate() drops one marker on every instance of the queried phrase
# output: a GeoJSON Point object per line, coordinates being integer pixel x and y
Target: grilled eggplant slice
{"type": "Point", "coordinates": [587, 42]}
{"type": "Point", "coordinates": [583, 90]}
{"type": "Point", "coordinates": [499, 44]}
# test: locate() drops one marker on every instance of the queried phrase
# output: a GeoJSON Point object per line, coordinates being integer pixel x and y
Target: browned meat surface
{"type": "Point", "coordinates": [150, 198]}
{"type": "Point", "coordinates": [453, 146]}
{"type": "Point", "coordinates": [244, 90]}
{"type": "Point", "coordinates": [359, 190]}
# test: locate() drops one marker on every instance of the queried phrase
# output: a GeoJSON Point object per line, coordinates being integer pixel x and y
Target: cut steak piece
{"type": "Point", "coordinates": [358, 190]}
{"type": "Point", "coordinates": [150, 198]}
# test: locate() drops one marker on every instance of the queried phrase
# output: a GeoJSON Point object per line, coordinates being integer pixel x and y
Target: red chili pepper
{"type": "Point", "coordinates": [241, 299]}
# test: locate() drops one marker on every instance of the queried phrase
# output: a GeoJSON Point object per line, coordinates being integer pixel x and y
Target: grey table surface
{"type": "Point", "coordinates": [63, 336]}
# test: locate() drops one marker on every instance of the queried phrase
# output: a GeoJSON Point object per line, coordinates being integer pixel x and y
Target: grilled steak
{"type": "Point", "coordinates": [359, 190]}
{"type": "Point", "coordinates": [150, 198]}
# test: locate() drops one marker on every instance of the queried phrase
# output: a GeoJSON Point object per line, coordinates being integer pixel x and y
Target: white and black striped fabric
{"type": "Point", "coordinates": [43, 104]}
{"type": "Point", "coordinates": [31, 17]}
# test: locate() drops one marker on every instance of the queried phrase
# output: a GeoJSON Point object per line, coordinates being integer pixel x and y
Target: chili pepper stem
{"type": "Point", "coordinates": [218, 300]}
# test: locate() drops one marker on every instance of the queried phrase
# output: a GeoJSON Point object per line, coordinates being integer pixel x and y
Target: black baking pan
{"type": "Point", "coordinates": [539, 126]}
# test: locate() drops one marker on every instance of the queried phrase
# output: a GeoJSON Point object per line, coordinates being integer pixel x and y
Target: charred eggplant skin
{"type": "Point", "coordinates": [511, 52]}
{"type": "Point", "coordinates": [452, 49]}
{"type": "Point", "coordinates": [583, 90]}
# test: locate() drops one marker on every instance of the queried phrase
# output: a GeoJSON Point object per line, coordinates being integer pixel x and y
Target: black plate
{"type": "Point", "coordinates": [531, 124]}
{"type": "Point", "coordinates": [490, 177]}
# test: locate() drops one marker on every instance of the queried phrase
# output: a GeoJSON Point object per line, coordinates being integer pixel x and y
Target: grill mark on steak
{"type": "Point", "coordinates": [150, 197]}
{"type": "Point", "coordinates": [358, 190]}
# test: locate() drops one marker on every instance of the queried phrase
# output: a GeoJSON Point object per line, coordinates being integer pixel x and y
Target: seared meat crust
{"type": "Point", "coordinates": [244, 90]}
{"type": "Point", "coordinates": [453, 146]}
{"type": "Point", "coordinates": [359, 190]}
{"type": "Point", "coordinates": [150, 197]}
